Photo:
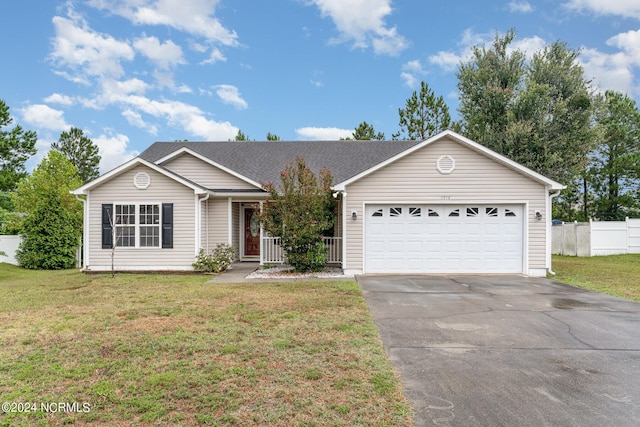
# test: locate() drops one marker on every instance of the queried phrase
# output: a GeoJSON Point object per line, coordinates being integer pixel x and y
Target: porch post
{"type": "Point", "coordinates": [230, 221]}
{"type": "Point", "coordinates": [261, 238]}
{"type": "Point", "coordinates": [343, 261]}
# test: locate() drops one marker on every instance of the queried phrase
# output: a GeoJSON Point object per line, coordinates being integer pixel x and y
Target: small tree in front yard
{"type": "Point", "coordinates": [299, 211]}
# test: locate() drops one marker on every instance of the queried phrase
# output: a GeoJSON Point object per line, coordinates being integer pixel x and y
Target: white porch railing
{"type": "Point", "coordinates": [272, 253]}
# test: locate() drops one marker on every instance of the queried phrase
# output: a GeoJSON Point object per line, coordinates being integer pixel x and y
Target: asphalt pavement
{"type": "Point", "coordinates": [509, 350]}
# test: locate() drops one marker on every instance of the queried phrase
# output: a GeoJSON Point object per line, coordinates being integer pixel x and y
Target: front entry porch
{"type": "Point", "coordinates": [244, 233]}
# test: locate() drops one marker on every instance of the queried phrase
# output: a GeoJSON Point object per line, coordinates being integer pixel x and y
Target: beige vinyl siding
{"type": "Point", "coordinates": [161, 190]}
{"type": "Point", "coordinates": [216, 223]}
{"type": "Point", "coordinates": [476, 179]}
{"type": "Point", "coordinates": [205, 174]}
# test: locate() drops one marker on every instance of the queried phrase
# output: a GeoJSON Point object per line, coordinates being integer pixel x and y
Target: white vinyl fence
{"type": "Point", "coordinates": [9, 245]}
{"type": "Point", "coordinates": [596, 238]}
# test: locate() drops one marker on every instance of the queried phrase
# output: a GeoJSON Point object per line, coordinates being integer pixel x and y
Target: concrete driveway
{"type": "Point", "coordinates": [509, 350]}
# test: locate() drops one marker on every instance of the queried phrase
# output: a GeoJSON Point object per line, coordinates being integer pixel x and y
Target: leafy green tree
{"type": "Point", "coordinates": [272, 137]}
{"type": "Point", "coordinates": [614, 171]}
{"type": "Point", "coordinates": [539, 113]}
{"type": "Point", "coordinates": [16, 147]}
{"type": "Point", "coordinates": [561, 124]}
{"type": "Point", "coordinates": [366, 132]}
{"type": "Point", "coordinates": [50, 238]}
{"type": "Point", "coordinates": [488, 85]}
{"type": "Point", "coordinates": [82, 152]}
{"type": "Point", "coordinates": [424, 115]}
{"type": "Point", "coordinates": [299, 211]}
{"type": "Point", "coordinates": [240, 136]}
{"type": "Point", "coordinates": [54, 175]}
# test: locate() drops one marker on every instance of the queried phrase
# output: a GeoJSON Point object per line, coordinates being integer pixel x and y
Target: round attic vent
{"type": "Point", "coordinates": [142, 180]}
{"type": "Point", "coordinates": [445, 164]}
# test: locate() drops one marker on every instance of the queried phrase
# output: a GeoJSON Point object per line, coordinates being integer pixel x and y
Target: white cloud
{"type": "Point", "coordinates": [625, 8]}
{"type": "Point", "coordinates": [529, 45]}
{"type": "Point", "coordinates": [85, 51]}
{"type": "Point", "coordinates": [412, 72]}
{"type": "Point", "coordinates": [135, 119]}
{"type": "Point", "coordinates": [189, 117]}
{"type": "Point", "coordinates": [519, 6]}
{"type": "Point", "coordinates": [56, 98]}
{"type": "Point", "coordinates": [44, 117]}
{"type": "Point", "coordinates": [164, 55]}
{"type": "Point", "coordinates": [614, 70]}
{"type": "Point", "coordinates": [215, 56]}
{"type": "Point", "coordinates": [113, 151]}
{"type": "Point", "coordinates": [608, 71]}
{"type": "Point", "coordinates": [229, 95]}
{"type": "Point", "coordinates": [324, 134]}
{"type": "Point", "coordinates": [195, 17]}
{"type": "Point", "coordinates": [629, 42]}
{"type": "Point", "coordinates": [363, 23]}
{"type": "Point", "coordinates": [449, 60]}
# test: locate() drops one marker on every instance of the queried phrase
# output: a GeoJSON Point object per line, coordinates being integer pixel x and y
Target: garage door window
{"type": "Point", "coordinates": [433, 213]}
{"type": "Point", "coordinates": [472, 212]}
{"type": "Point", "coordinates": [377, 213]}
{"type": "Point", "coordinates": [491, 212]}
{"type": "Point", "coordinates": [394, 212]}
{"type": "Point", "coordinates": [509, 212]}
{"type": "Point", "coordinates": [415, 212]}
{"type": "Point", "coordinates": [455, 212]}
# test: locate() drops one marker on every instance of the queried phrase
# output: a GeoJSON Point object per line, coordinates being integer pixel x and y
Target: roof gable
{"type": "Point", "coordinates": [198, 189]}
{"type": "Point", "coordinates": [457, 138]}
{"type": "Point", "coordinates": [186, 151]}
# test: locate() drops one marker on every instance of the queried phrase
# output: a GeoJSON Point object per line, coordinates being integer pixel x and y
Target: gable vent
{"type": "Point", "coordinates": [142, 180]}
{"type": "Point", "coordinates": [445, 164]}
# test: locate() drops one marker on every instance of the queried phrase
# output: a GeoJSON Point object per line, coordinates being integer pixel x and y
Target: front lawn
{"type": "Point", "coordinates": [617, 275]}
{"type": "Point", "coordinates": [175, 350]}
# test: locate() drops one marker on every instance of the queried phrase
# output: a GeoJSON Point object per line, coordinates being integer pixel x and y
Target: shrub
{"type": "Point", "coordinates": [300, 211]}
{"type": "Point", "coordinates": [50, 237]}
{"type": "Point", "coordinates": [218, 260]}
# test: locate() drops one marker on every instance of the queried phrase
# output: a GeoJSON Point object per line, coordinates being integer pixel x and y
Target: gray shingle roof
{"type": "Point", "coordinates": [263, 161]}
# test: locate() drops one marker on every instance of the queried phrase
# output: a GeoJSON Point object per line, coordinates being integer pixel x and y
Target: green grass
{"type": "Point", "coordinates": [175, 350]}
{"type": "Point", "coordinates": [617, 275]}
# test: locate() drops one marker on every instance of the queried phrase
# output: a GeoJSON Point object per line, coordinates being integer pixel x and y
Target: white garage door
{"type": "Point", "coordinates": [443, 239]}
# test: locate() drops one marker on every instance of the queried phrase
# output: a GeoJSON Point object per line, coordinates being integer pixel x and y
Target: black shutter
{"type": "Point", "coordinates": [107, 235]}
{"type": "Point", "coordinates": [167, 225]}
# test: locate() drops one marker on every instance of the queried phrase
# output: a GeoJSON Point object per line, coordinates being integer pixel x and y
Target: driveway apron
{"type": "Point", "coordinates": [509, 350]}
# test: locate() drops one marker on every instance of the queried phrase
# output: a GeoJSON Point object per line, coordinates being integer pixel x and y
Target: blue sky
{"type": "Point", "coordinates": [131, 72]}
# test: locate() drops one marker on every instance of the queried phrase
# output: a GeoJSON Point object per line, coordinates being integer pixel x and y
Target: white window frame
{"type": "Point", "coordinates": [137, 225]}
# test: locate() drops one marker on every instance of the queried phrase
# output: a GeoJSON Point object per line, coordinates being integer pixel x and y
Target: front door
{"type": "Point", "coordinates": [251, 233]}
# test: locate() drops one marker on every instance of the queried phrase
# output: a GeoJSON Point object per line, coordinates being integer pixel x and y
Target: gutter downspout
{"type": "Point", "coordinates": [551, 196]}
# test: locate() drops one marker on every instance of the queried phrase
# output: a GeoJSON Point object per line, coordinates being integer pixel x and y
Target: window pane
{"type": "Point", "coordinates": [125, 236]}
{"type": "Point", "coordinates": [492, 212]}
{"type": "Point", "coordinates": [149, 214]}
{"type": "Point", "coordinates": [395, 212]}
{"type": "Point", "coordinates": [150, 236]}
